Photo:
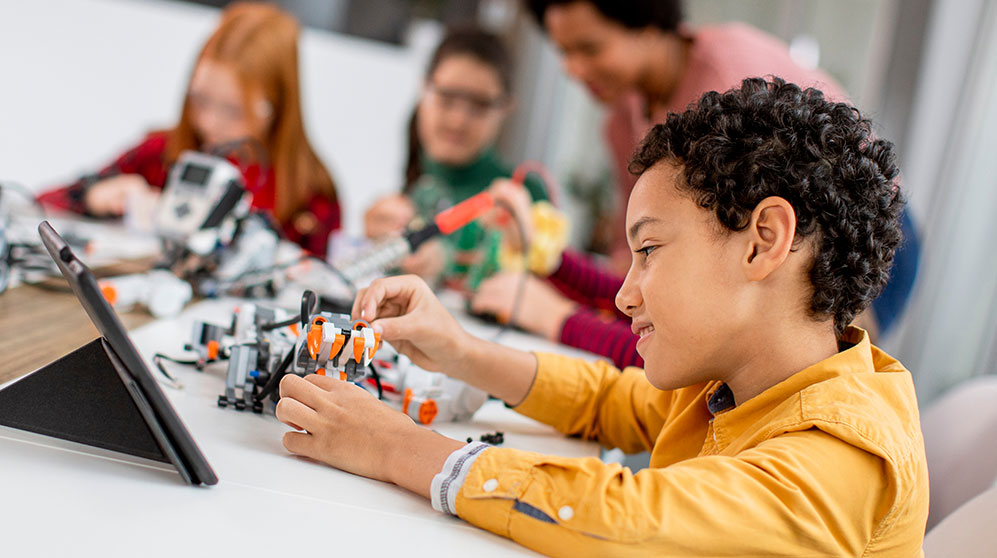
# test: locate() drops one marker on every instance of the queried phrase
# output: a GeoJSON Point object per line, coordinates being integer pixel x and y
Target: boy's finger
{"type": "Point", "coordinates": [295, 414]}
{"type": "Point", "coordinates": [355, 311]}
{"type": "Point", "coordinates": [307, 393]}
{"type": "Point", "coordinates": [299, 443]}
{"type": "Point", "coordinates": [325, 383]}
{"type": "Point", "coordinates": [388, 288]}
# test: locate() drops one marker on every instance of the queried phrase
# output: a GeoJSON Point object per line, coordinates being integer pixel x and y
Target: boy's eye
{"type": "Point", "coordinates": [645, 250]}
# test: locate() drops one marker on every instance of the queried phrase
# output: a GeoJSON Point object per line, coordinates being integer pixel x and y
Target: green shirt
{"type": "Point", "coordinates": [442, 186]}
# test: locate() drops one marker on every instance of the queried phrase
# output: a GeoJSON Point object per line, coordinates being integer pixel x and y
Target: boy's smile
{"type": "Point", "coordinates": [683, 282]}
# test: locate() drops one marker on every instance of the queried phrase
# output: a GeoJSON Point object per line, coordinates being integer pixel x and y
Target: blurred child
{"type": "Point", "coordinates": [243, 88]}
{"type": "Point", "coordinates": [465, 100]}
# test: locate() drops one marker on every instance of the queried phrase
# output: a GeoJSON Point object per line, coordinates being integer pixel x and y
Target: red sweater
{"type": "Point", "coordinates": [147, 159]}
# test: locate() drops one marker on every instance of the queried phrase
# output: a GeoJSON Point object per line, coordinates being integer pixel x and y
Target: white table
{"type": "Point", "coordinates": [61, 498]}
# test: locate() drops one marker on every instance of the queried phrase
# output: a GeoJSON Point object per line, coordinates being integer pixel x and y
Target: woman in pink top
{"type": "Point", "coordinates": [638, 58]}
{"type": "Point", "coordinates": [642, 62]}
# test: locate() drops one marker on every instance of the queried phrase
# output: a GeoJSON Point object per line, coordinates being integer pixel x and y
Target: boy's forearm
{"type": "Point", "coordinates": [502, 372]}
{"type": "Point", "coordinates": [416, 459]}
{"type": "Point", "coordinates": [506, 373]}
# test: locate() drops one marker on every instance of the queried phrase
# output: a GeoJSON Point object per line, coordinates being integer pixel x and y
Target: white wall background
{"type": "Point", "coordinates": [84, 79]}
{"type": "Point", "coordinates": [950, 331]}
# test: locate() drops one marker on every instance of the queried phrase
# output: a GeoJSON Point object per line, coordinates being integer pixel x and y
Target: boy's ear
{"type": "Point", "coordinates": [770, 234]}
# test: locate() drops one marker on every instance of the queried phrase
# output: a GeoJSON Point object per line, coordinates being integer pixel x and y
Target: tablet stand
{"type": "Point", "coordinates": [86, 397]}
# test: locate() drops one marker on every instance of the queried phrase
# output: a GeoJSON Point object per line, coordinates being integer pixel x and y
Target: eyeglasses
{"type": "Point", "coordinates": [476, 104]}
{"type": "Point", "coordinates": [226, 111]}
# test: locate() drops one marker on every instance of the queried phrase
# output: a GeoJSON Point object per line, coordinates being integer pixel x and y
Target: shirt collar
{"type": "Point", "coordinates": [857, 357]}
{"type": "Point", "coordinates": [722, 398]}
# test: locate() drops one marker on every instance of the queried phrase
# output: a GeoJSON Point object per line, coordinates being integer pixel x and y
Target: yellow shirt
{"type": "Point", "coordinates": [829, 462]}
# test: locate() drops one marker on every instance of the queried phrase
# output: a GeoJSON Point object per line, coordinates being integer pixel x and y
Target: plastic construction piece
{"type": "Point", "coordinates": [159, 290]}
{"type": "Point", "coordinates": [102, 394]}
{"type": "Point", "coordinates": [262, 346]}
{"type": "Point", "coordinates": [492, 438]}
{"type": "Point", "coordinates": [391, 252]}
{"type": "Point", "coordinates": [428, 397]}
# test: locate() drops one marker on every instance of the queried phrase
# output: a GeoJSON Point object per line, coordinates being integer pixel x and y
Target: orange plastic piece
{"type": "Point", "coordinates": [320, 372]}
{"type": "Point", "coordinates": [337, 345]}
{"type": "Point", "coordinates": [212, 350]}
{"type": "Point", "coordinates": [294, 329]}
{"type": "Point", "coordinates": [358, 348]}
{"type": "Point", "coordinates": [427, 411]}
{"type": "Point", "coordinates": [464, 212]}
{"type": "Point", "coordinates": [315, 338]}
{"type": "Point", "coordinates": [406, 399]}
{"type": "Point", "coordinates": [109, 292]}
{"type": "Point", "coordinates": [342, 376]}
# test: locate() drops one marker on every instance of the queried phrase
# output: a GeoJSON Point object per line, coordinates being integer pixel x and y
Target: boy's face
{"type": "Point", "coordinates": [685, 289]}
{"type": "Point", "coordinates": [602, 54]}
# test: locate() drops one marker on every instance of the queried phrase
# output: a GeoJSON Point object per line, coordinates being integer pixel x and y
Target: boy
{"type": "Point", "coordinates": [763, 219]}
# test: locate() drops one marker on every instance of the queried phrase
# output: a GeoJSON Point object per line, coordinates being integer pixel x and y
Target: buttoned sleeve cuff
{"type": "Point", "coordinates": [507, 490]}
{"type": "Point", "coordinates": [448, 482]}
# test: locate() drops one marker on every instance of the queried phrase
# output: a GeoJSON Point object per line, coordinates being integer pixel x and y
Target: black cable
{"type": "Point", "coordinates": [158, 359]}
{"type": "Point", "coordinates": [309, 304]}
{"type": "Point", "coordinates": [377, 380]}
{"type": "Point", "coordinates": [278, 325]}
{"type": "Point", "coordinates": [278, 374]}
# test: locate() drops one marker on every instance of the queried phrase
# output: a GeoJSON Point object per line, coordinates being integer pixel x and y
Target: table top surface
{"type": "Point", "coordinates": [266, 500]}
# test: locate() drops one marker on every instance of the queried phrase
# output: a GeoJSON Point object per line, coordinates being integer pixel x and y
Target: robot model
{"type": "Point", "coordinates": [210, 239]}
{"type": "Point", "coordinates": [262, 345]}
{"type": "Point", "coordinates": [261, 348]}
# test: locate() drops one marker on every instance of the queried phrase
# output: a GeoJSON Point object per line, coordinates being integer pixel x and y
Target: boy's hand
{"type": "Point", "coordinates": [346, 427]}
{"type": "Point", "coordinates": [542, 310]}
{"type": "Point", "coordinates": [410, 317]}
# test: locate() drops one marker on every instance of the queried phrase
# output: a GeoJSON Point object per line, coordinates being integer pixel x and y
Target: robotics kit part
{"type": "Point", "coordinates": [261, 346]}
{"type": "Point", "coordinates": [428, 397]}
{"type": "Point", "coordinates": [493, 438]}
{"type": "Point", "coordinates": [163, 293]}
{"type": "Point", "coordinates": [201, 191]}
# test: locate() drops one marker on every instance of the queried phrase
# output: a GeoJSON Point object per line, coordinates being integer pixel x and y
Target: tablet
{"type": "Point", "coordinates": [170, 433]}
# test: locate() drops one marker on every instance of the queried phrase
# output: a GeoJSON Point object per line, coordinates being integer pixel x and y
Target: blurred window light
{"type": "Point", "coordinates": [805, 51]}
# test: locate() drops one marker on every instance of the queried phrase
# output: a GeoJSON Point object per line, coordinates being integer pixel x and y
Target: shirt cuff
{"type": "Point", "coordinates": [448, 482]}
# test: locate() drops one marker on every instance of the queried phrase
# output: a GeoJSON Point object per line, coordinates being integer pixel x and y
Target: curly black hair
{"type": "Point", "coordinates": [772, 138]}
{"type": "Point", "coordinates": [632, 14]}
